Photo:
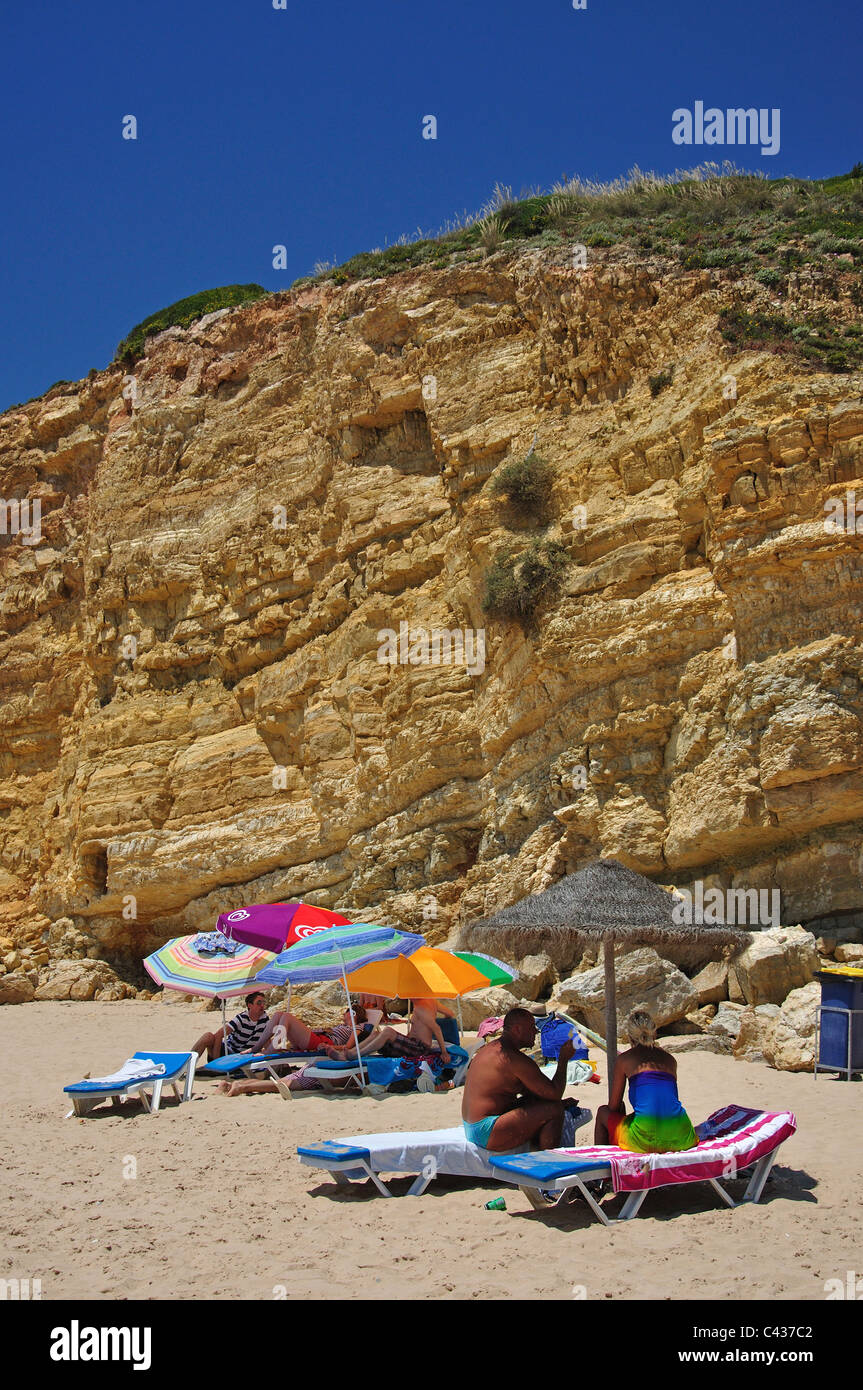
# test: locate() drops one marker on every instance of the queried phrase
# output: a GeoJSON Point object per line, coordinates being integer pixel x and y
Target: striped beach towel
{"type": "Point", "coordinates": [730, 1140]}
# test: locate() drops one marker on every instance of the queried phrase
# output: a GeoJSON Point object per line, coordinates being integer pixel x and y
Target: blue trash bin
{"type": "Point", "coordinates": [840, 1033]}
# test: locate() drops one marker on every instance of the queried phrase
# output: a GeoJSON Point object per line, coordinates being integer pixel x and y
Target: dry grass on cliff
{"type": "Point", "coordinates": [710, 217]}
{"type": "Point", "coordinates": [707, 187]}
{"type": "Point", "coordinates": [687, 202]}
{"type": "Point", "coordinates": [765, 234]}
{"type": "Point", "coordinates": [793, 245]}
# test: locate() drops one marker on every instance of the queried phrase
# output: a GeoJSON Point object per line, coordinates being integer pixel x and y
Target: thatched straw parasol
{"type": "Point", "coordinates": [604, 902]}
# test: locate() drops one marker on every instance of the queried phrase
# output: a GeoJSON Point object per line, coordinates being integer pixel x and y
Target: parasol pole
{"type": "Point", "coordinates": [351, 1012]}
{"type": "Point", "coordinates": [583, 1028]}
{"type": "Point", "coordinates": [610, 1010]}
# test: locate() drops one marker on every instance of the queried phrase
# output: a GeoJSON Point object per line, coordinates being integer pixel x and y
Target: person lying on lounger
{"type": "Point", "coordinates": [508, 1103]}
{"type": "Point", "coordinates": [301, 1038]}
{"type": "Point", "coordinates": [296, 1081]}
{"type": "Point", "coordinates": [422, 1038]}
{"type": "Point", "coordinates": [375, 1006]}
{"type": "Point", "coordinates": [659, 1123]}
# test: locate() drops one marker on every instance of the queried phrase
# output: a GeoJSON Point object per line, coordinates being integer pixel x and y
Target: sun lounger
{"type": "Point", "coordinates": [427, 1153]}
{"type": "Point", "coordinates": [245, 1063]}
{"type": "Point", "coordinates": [170, 1067]}
{"type": "Point", "coordinates": [731, 1141]}
{"type": "Point", "coordinates": [374, 1071]}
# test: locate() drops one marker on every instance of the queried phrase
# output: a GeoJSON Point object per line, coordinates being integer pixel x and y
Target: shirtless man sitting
{"type": "Point", "coordinates": [507, 1100]}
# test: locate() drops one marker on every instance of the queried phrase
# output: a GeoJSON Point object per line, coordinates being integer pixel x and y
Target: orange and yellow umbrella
{"type": "Point", "coordinates": [426, 974]}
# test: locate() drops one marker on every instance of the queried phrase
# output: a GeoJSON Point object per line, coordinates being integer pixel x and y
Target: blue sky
{"type": "Point", "coordinates": [303, 126]}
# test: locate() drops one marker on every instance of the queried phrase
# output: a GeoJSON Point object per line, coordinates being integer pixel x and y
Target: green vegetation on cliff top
{"type": "Point", "coordinates": [184, 313]}
{"type": "Point", "coordinates": [767, 230]}
{"type": "Point", "coordinates": [705, 218]}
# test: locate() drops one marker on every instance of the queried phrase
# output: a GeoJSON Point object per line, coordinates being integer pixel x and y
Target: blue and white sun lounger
{"type": "Point", "coordinates": [428, 1153]}
{"type": "Point", "coordinates": [375, 1070]}
{"type": "Point", "coordinates": [245, 1063]}
{"type": "Point", "coordinates": [134, 1079]}
{"type": "Point", "coordinates": [734, 1142]}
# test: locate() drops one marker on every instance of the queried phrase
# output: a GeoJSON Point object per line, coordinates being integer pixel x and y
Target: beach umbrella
{"type": "Point", "coordinates": [207, 963]}
{"type": "Point", "coordinates": [433, 974]}
{"type": "Point", "coordinates": [494, 972]}
{"type": "Point", "coordinates": [275, 926]}
{"type": "Point", "coordinates": [215, 973]}
{"type": "Point", "coordinates": [605, 902]}
{"type": "Point", "coordinates": [426, 973]}
{"type": "Point", "coordinates": [329, 955]}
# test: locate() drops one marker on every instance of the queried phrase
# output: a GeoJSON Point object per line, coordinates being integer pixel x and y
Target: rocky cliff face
{"type": "Point", "coordinates": [194, 712]}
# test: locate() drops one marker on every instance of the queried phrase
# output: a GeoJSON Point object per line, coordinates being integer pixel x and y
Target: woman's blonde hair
{"type": "Point", "coordinates": [641, 1027]}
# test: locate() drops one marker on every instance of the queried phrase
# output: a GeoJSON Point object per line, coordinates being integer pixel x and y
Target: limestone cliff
{"type": "Point", "coordinates": [286, 488]}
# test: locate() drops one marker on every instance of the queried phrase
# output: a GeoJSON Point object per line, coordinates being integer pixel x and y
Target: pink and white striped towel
{"type": "Point", "coordinates": [729, 1141]}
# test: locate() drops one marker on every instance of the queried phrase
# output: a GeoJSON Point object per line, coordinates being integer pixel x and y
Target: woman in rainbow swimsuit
{"type": "Point", "coordinates": [659, 1123]}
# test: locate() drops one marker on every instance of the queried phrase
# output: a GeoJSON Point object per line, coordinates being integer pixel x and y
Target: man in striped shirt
{"type": "Point", "coordinates": [244, 1031]}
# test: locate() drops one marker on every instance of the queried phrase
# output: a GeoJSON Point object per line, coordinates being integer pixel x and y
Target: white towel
{"type": "Point", "coordinates": [136, 1069]}
{"type": "Point", "coordinates": [576, 1071]}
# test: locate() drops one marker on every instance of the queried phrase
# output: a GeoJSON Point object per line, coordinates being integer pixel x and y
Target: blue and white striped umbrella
{"type": "Point", "coordinates": [328, 955]}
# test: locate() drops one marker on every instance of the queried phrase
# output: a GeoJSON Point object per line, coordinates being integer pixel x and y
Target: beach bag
{"type": "Point", "coordinates": [554, 1033]}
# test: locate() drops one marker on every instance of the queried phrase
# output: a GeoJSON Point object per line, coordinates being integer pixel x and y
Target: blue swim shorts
{"type": "Point", "coordinates": [480, 1131]}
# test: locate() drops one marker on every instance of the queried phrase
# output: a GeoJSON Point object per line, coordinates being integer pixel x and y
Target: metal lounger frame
{"type": "Point", "coordinates": [634, 1200]}
{"type": "Point", "coordinates": [346, 1171]}
{"type": "Point", "coordinates": [84, 1102]}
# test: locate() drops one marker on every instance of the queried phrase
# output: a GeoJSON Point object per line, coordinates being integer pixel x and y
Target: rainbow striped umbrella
{"type": "Point", "coordinates": [219, 974]}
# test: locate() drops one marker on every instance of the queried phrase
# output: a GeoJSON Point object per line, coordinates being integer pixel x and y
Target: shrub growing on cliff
{"type": "Point", "coordinates": [517, 582]}
{"type": "Point", "coordinates": [184, 312]}
{"type": "Point", "coordinates": [718, 258]}
{"type": "Point", "coordinates": [819, 342]}
{"type": "Point", "coordinates": [526, 483]}
{"type": "Point", "coordinates": [662, 379]}
{"type": "Point", "coordinates": [525, 217]}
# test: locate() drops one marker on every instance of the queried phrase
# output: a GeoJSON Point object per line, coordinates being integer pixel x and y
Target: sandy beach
{"type": "Point", "coordinates": [220, 1207]}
